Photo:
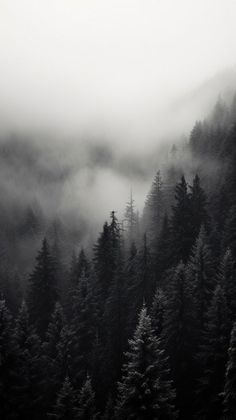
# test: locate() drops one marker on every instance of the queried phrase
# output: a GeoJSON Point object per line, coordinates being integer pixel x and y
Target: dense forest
{"type": "Point", "coordinates": [143, 324]}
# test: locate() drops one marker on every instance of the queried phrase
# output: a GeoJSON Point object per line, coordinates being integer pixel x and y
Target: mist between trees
{"type": "Point", "coordinates": [139, 323]}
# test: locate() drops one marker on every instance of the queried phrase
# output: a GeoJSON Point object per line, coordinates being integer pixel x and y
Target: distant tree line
{"type": "Point", "coordinates": [142, 326]}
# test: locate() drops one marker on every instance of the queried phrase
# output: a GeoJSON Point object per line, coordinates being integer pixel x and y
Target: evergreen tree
{"type": "Point", "coordinates": [8, 360]}
{"type": "Point", "coordinates": [144, 391]}
{"type": "Point", "coordinates": [229, 236]}
{"type": "Point", "coordinates": [79, 267]}
{"type": "Point", "coordinates": [181, 223]}
{"type": "Point", "coordinates": [42, 294]}
{"type": "Point", "coordinates": [179, 332]}
{"type": "Point", "coordinates": [227, 279]}
{"type": "Point", "coordinates": [52, 356]}
{"type": "Point", "coordinates": [229, 394]}
{"type": "Point", "coordinates": [130, 218]}
{"type": "Point", "coordinates": [145, 282]}
{"type": "Point", "coordinates": [82, 330]}
{"type": "Point", "coordinates": [154, 210]}
{"type": "Point", "coordinates": [200, 273]}
{"type": "Point", "coordinates": [163, 258]}
{"type": "Point", "coordinates": [158, 312]}
{"type": "Point", "coordinates": [130, 275]}
{"type": "Point", "coordinates": [115, 325]}
{"type": "Point", "coordinates": [198, 206]}
{"type": "Point", "coordinates": [65, 407]}
{"type": "Point", "coordinates": [212, 357]}
{"type": "Point", "coordinates": [104, 262]}
{"type": "Point", "coordinates": [86, 402]}
{"type": "Point", "coordinates": [28, 390]}
{"type": "Point", "coordinates": [196, 138]}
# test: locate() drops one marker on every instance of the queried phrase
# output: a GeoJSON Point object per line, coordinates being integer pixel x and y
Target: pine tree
{"type": "Point", "coordinates": [198, 206]}
{"type": "Point", "coordinates": [86, 402]}
{"type": "Point", "coordinates": [158, 312]}
{"type": "Point", "coordinates": [213, 357]}
{"type": "Point", "coordinates": [154, 210]}
{"type": "Point", "coordinates": [104, 262]}
{"type": "Point", "coordinates": [52, 356]}
{"type": "Point", "coordinates": [229, 237]}
{"type": "Point", "coordinates": [130, 275]}
{"type": "Point", "coordinates": [65, 407]}
{"type": "Point", "coordinates": [229, 394]}
{"type": "Point", "coordinates": [196, 138]}
{"type": "Point", "coordinates": [82, 330]}
{"type": "Point", "coordinates": [28, 390]}
{"type": "Point", "coordinates": [228, 182]}
{"type": "Point", "coordinates": [181, 223]}
{"type": "Point", "coordinates": [163, 258]}
{"type": "Point", "coordinates": [227, 276]}
{"type": "Point", "coordinates": [179, 332]}
{"type": "Point", "coordinates": [8, 359]}
{"type": "Point", "coordinates": [200, 272]}
{"type": "Point", "coordinates": [42, 294]}
{"type": "Point", "coordinates": [144, 391]}
{"type": "Point", "coordinates": [79, 267]}
{"type": "Point", "coordinates": [114, 320]}
{"type": "Point", "coordinates": [130, 218]}
{"type": "Point", "coordinates": [145, 282]}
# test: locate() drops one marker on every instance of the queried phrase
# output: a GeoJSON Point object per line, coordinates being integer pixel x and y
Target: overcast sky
{"type": "Point", "coordinates": [107, 65]}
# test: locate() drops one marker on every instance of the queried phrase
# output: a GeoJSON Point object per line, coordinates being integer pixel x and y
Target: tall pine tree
{"type": "Point", "coordinates": [145, 392]}
{"type": "Point", "coordinates": [42, 294]}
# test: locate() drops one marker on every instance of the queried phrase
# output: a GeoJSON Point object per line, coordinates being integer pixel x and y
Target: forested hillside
{"type": "Point", "coordinates": [143, 324]}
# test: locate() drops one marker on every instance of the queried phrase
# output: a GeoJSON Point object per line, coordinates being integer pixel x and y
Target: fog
{"type": "Point", "coordinates": [100, 86]}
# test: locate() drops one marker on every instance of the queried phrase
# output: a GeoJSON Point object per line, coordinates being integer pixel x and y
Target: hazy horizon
{"type": "Point", "coordinates": [100, 86]}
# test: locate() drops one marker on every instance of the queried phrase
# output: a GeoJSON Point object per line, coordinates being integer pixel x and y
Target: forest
{"type": "Point", "coordinates": [142, 324]}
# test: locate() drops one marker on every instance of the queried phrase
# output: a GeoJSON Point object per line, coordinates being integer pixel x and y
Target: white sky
{"type": "Point", "coordinates": [76, 64]}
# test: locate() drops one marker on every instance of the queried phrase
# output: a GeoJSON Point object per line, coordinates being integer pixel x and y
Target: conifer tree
{"type": "Point", "coordinates": [181, 223]}
{"type": "Point", "coordinates": [115, 324]}
{"type": "Point", "coordinates": [130, 218]}
{"type": "Point", "coordinates": [73, 269]}
{"type": "Point", "coordinates": [104, 262]}
{"type": "Point", "coordinates": [229, 237]}
{"type": "Point", "coordinates": [145, 280]}
{"type": "Point", "coordinates": [163, 257]}
{"type": "Point", "coordinates": [130, 275]}
{"type": "Point", "coordinates": [213, 357]}
{"type": "Point", "coordinates": [198, 206]}
{"type": "Point", "coordinates": [86, 402]}
{"type": "Point", "coordinates": [158, 312]}
{"type": "Point", "coordinates": [8, 359]}
{"type": "Point", "coordinates": [52, 356]}
{"type": "Point", "coordinates": [229, 394]}
{"type": "Point", "coordinates": [65, 407]}
{"type": "Point", "coordinates": [79, 267]}
{"type": "Point", "coordinates": [28, 390]}
{"type": "Point", "coordinates": [82, 330]}
{"type": "Point", "coordinates": [154, 211]}
{"type": "Point", "coordinates": [200, 272]}
{"type": "Point", "coordinates": [144, 391]}
{"type": "Point", "coordinates": [179, 332]}
{"type": "Point", "coordinates": [196, 138]}
{"type": "Point", "coordinates": [227, 279]}
{"type": "Point", "coordinates": [42, 294]}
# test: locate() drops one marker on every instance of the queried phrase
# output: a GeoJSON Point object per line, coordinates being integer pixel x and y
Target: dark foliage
{"type": "Point", "coordinates": [167, 279]}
